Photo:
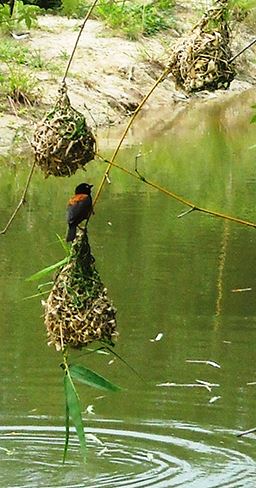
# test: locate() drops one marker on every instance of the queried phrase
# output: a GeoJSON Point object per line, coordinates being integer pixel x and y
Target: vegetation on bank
{"type": "Point", "coordinates": [130, 18]}
{"type": "Point", "coordinates": [18, 81]}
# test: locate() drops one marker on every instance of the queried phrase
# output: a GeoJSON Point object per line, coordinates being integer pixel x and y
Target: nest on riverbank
{"type": "Point", "coordinates": [201, 60]}
{"type": "Point", "coordinates": [78, 310]}
{"type": "Point", "coordinates": [62, 141]}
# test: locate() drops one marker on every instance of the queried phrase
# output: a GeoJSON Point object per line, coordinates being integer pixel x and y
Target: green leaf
{"type": "Point", "coordinates": [73, 409]}
{"type": "Point", "coordinates": [253, 119]}
{"type": "Point", "coordinates": [66, 431]}
{"type": "Point", "coordinates": [40, 274]}
{"type": "Point", "coordinates": [90, 378]}
{"type": "Point", "coordinates": [64, 244]}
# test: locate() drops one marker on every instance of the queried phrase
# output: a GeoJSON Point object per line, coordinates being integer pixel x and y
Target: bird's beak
{"type": "Point", "coordinates": [91, 186]}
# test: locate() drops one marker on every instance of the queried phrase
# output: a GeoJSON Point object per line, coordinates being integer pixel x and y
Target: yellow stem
{"type": "Point", "coordinates": [138, 109]}
{"type": "Point", "coordinates": [178, 198]}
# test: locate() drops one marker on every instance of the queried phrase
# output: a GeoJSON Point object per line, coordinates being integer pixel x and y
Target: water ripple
{"type": "Point", "coordinates": [30, 457]}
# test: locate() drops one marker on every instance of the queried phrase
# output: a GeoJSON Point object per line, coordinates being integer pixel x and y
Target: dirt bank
{"type": "Point", "coordinates": [110, 75]}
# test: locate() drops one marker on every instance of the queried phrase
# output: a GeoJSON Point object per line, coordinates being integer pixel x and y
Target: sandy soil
{"type": "Point", "coordinates": [110, 75]}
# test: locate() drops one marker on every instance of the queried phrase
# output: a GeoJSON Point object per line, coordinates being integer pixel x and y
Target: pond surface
{"type": "Point", "coordinates": [185, 291]}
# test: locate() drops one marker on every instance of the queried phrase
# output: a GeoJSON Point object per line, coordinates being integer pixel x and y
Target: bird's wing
{"type": "Point", "coordinates": [79, 209]}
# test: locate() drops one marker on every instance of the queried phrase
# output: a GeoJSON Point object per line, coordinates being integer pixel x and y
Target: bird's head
{"type": "Point", "coordinates": [83, 188]}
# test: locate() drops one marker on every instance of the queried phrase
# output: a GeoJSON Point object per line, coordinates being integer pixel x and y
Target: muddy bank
{"type": "Point", "coordinates": [109, 76]}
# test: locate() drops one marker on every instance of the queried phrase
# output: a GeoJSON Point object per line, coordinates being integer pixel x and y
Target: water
{"type": "Point", "coordinates": [177, 277]}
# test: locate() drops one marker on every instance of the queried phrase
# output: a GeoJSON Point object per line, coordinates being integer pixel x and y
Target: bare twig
{"type": "Point", "coordinates": [78, 37]}
{"type": "Point", "coordinates": [138, 109]}
{"type": "Point", "coordinates": [177, 197]}
{"type": "Point", "coordinates": [182, 214]}
{"type": "Point", "coordinates": [21, 202]}
{"type": "Point", "coordinates": [242, 51]}
{"type": "Point", "coordinates": [245, 432]}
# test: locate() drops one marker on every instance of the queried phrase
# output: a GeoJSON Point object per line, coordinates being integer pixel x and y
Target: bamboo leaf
{"type": "Point", "coordinates": [74, 409]}
{"type": "Point", "coordinates": [90, 378]}
{"type": "Point", "coordinates": [40, 274]}
{"type": "Point", "coordinates": [124, 361]}
{"type": "Point", "coordinates": [66, 429]}
{"type": "Point", "coordinates": [64, 244]}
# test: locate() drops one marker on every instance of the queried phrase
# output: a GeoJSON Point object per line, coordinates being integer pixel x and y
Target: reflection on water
{"type": "Point", "coordinates": [178, 277]}
{"type": "Point", "coordinates": [122, 457]}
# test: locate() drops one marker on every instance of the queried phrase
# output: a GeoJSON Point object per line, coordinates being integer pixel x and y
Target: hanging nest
{"type": "Point", "coordinates": [201, 60]}
{"type": "Point", "coordinates": [78, 310]}
{"type": "Point", "coordinates": [62, 141]}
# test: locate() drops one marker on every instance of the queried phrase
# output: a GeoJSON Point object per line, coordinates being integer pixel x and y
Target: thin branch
{"type": "Point", "coordinates": [242, 51]}
{"type": "Point", "coordinates": [21, 202]}
{"type": "Point", "coordinates": [186, 212]}
{"type": "Point", "coordinates": [78, 37]}
{"type": "Point", "coordinates": [245, 432]}
{"type": "Point", "coordinates": [138, 109]}
{"type": "Point", "coordinates": [177, 197]}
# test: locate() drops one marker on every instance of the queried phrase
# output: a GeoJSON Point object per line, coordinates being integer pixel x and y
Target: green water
{"type": "Point", "coordinates": [168, 275]}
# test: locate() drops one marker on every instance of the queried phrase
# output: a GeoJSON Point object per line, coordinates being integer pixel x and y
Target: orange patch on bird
{"type": "Point", "coordinates": [77, 198]}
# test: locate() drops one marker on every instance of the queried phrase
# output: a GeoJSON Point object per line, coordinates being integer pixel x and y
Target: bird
{"type": "Point", "coordinates": [79, 208]}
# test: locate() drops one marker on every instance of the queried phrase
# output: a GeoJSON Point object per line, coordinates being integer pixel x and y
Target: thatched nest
{"type": "Point", "coordinates": [62, 141]}
{"type": "Point", "coordinates": [78, 310]}
{"type": "Point", "coordinates": [201, 60]}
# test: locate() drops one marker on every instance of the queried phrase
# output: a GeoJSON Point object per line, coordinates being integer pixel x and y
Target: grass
{"type": "Point", "coordinates": [18, 62]}
{"type": "Point", "coordinates": [17, 82]}
{"type": "Point", "coordinates": [11, 52]}
{"type": "Point", "coordinates": [21, 87]}
{"type": "Point", "coordinates": [128, 17]}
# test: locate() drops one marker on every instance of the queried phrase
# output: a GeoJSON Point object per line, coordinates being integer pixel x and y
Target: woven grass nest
{"type": "Point", "coordinates": [78, 310]}
{"type": "Point", "coordinates": [201, 60]}
{"type": "Point", "coordinates": [62, 141]}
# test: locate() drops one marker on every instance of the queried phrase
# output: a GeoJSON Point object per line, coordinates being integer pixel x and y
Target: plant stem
{"type": "Point", "coordinates": [78, 37]}
{"type": "Point", "coordinates": [138, 109]}
{"type": "Point", "coordinates": [21, 202]}
{"type": "Point", "coordinates": [192, 206]}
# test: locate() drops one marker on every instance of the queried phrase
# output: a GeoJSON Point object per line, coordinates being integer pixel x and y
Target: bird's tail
{"type": "Point", "coordinates": [71, 233]}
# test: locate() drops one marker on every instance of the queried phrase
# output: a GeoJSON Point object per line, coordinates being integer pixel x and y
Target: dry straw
{"type": "Point", "coordinates": [201, 60]}
{"type": "Point", "coordinates": [78, 310]}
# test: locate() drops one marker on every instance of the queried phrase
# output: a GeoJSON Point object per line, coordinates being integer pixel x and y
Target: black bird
{"type": "Point", "coordinates": [79, 208]}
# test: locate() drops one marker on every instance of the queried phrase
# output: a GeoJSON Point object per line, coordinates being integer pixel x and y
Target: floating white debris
{"type": "Point", "coordinates": [207, 383]}
{"type": "Point", "coordinates": [157, 338]}
{"type": "Point", "coordinates": [202, 361]}
{"type": "Point", "coordinates": [95, 439]}
{"type": "Point", "coordinates": [240, 290]}
{"type": "Point", "coordinates": [90, 410]}
{"type": "Point", "coordinates": [214, 399]}
{"type": "Point", "coordinates": [184, 385]}
{"type": "Point", "coordinates": [102, 451]}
